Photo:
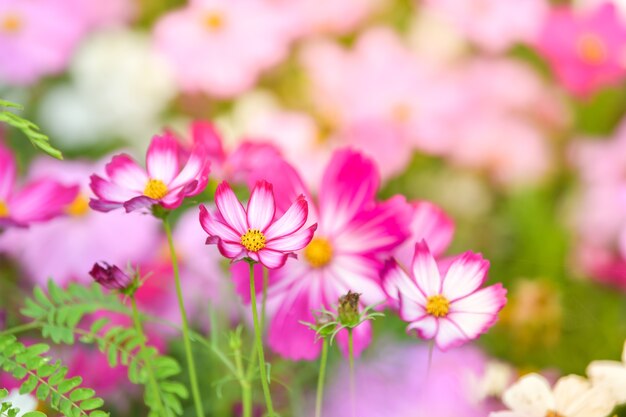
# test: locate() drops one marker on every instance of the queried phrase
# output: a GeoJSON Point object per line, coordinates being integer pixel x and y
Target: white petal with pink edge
{"type": "Point", "coordinates": [293, 219]}
{"type": "Point", "coordinates": [425, 270]}
{"type": "Point", "coordinates": [292, 242]}
{"type": "Point", "coordinates": [162, 158]}
{"type": "Point", "coordinates": [216, 228]}
{"type": "Point", "coordinates": [197, 168]}
{"type": "Point", "coordinates": [111, 192]}
{"type": "Point", "coordinates": [261, 206]}
{"type": "Point", "coordinates": [410, 310]}
{"type": "Point", "coordinates": [231, 209]}
{"type": "Point", "coordinates": [466, 274]}
{"type": "Point", "coordinates": [487, 300]}
{"type": "Point", "coordinates": [473, 324]}
{"type": "Point", "coordinates": [449, 335]}
{"type": "Point", "coordinates": [396, 281]}
{"type": "Point", "coordinates": [272, 259]}
{"type": "Point", "coordinates": [426, 327]}
{"type": "Point", "coordinates": [125, 172]}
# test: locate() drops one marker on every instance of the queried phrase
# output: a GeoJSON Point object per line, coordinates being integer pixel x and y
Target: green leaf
{"type": "Point", "coordinates": [69, 384]}
{"type": "Point", "coordinates": [81, 394]}
{"type": "Point", "coordinates": [34, 414]}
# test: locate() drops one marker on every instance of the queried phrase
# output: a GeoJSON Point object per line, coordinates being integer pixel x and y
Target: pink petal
{"type": "Point", "coordinates": [215, 227]}
{"type": "Point", "coordinates": [293, 242]}
{"type": "Point", "coordinates": [293, 219]}
{"type": "Point", "coordinates": [41, 200]}
{"type": "Point", "coordinates": [410, 310]}
{"type": "Point", "coordinates": [175, 197]}
{"type": "Point", "coordinates": [449, 335]}
{"type": "Point", "coordinates": [124, 172]}
{"type": "Point", "coordinates": [349, 185]}
{"type": "Point", "coordinates": [227, 249]}
{"type": "Point", "coordinates": [261, 207]}
{"type": "Point", "coordinates": [359, 274]}
{"type": "Point", "coordinates": [231, 209]}
{"type": "Point", "coordinates": [379, 229]}
{"type": "Point", "coordinates": [271, 258]}
{"type": "Point", "coordinates": [205, 135]}
{"type": "Point", "coordinates": [426, 327]}
{"type": "Point", "coordinates": [196, 169]}
{"type": "Point", "coordinates": [488, 300]}
{"type": "Point", "coordinates": [361, 336]}
{"type": "Point", "coordinates": [425, 270]}
{"type": "Point", "coordinates": [110, 192]}
{"type": "Point", "coordinates": [139, 203]}
{"type": "Point", "coordinates": [396, 281]}
{"type": "Point", "coordinates": [162, 158]}
{"type": "Point", "coordinates": [433, 225]}
{"type": "Point", "coordinates": [8, 171]}
{"type": "Point", "coordinates": [466, 274]}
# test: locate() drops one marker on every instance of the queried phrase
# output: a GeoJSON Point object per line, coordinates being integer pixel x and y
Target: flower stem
{"type": "Point", "coordinates": [181, 304]}
{"type": "Point", "coordinates": [352, 381]}
{"type": "Point", "coordinates": [20, 328]}
{"type": "Point", "coordinates": [320, 379]}
{"type": "Point", "coordinates": [153, 383]}
{"type": "Point", "coordinates": [246, 389]}
{"type": "Point", "coordinates": [259, 345]}
{"type": "Point", "coordinates": [431, 348]}
{"type": "Point", "coordinates": [265, 283]}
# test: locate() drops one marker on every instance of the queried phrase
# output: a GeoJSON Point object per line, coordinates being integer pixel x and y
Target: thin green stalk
{"type": "Point", "coordinates": [266, 278]}
{"type": "Point", "coordinates": [181, 304]}
{"type": "Point", "coordinates": [246, 389]}
{"type": "Point", "coordinates": [431, 348]}
{"type": "Point", "coordinates": [320, 380]}
{"type": "Point", "coordinates": [153, 383]}
{"type": "Point", "coordinates": [259, 345]}
{"type": "Point", "coordinates": [21, 328]}
{"type": "Point", "coordinates": [352, 381]}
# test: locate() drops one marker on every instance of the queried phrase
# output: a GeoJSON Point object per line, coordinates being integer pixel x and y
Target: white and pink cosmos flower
{"type": "Point", "coordinates": [254, 232]}
{"type": "Point", "coordinates": [163, 182]}
{"type": "Point", "coordinates": [449, 308]}
{"type": "Point", "coordinates": [39, 200]}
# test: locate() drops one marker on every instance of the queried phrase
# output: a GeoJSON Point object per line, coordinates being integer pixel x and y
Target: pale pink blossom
{"type": "Point", "coordinates": [451, 308]}
{"type": "Point", "coordinates": [164, 182]}
{"type": "Point", "coordinates": [493, 25]}
{"type": "Point", "coordinates": [36, 201]}
{"type": "Point", "coordinates": [355, 232]}
{"type": "Point", "coordinates": [37, 38]}
{"type": "Point", "coordinates": [585, 48]}
{"type": "Point", "coordinates": [220, 47]}
{"type": "Point", "coordinates": [65, 248]}
{"type": "Point", "coordinates": [255, 232]}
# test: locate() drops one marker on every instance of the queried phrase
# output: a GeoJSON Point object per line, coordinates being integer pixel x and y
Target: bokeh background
{"type": "Point", "coordinates": [507, 114]}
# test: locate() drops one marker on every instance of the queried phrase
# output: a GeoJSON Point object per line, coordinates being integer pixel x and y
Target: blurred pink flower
{"type": "Point", "coordinates": [65, 249]}
{"type": "Point", "coordinates": [37, 38]}
{"type": "Point", "coordinates": [586, 49]}
{"type": "Point", "coordinates": [354, 232]}
{"type": "Point", "coordinates": [163, 182]}
{"type": "Point", "coordinates": [37, 201]}
{"type": "Point", "coordinates": [493, 24]}
{"type": "Point", "coordinates": [254, 232]}
{"type": "Point", "coordinates": [451, 309]}
{"type": "Point", "coordinates": [220, 47]}
{"type": "Point", "coordinates": [395, 382]}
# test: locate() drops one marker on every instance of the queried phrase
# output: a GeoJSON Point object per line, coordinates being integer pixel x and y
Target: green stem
{"type": "Point", "coordinates": [320, 379]}
{"type": "Point", "coordinates": [21, 328]}
{"type": "Point", "coordinates": [246, 389]}
{"type": "Point", "coordinates": [259, 345]}
{"type": "Point", "coordinates": [266, 273]}
{"type": "Point", "coordinates": [352, 381]}
{"type": "Point", "coordinates": [153, 382]}
{"type": "Point", "coordinates": [181, 304]}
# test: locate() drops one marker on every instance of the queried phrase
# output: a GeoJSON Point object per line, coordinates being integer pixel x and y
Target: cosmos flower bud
{"type": "Point", "coordinates": [349, 309]}
{"type": "Point", "coordinates": [111, 277]}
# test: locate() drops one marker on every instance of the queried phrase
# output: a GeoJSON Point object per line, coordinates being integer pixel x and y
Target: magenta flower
{"type": "Point", "coordinates": [110, 276]}
{"type": "Point", "coordinates": [586, 49]}
{"type": "Point", "coordinates": [38, 200]}
{"type": "Point", "coordinates": [161, 183]}
{"type": "Point", "coordinates": [254, 232]}
{"type": "Point", "coordinates": [452, 309]}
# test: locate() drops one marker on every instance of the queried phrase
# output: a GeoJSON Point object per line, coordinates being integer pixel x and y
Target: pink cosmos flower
{"type": "Point", "coordinates": [229, 43]}
{"type": "Point", "coordinates": [452, 309]}
{"type": "Point", "coordinates": [586, 49]}
{"type": "Point", "coordinates": [354, 232]}
{"type": "Point", "coordinates": [163, 182]}
{"type": "Point", "coordinates": [254, 232]}
{"type": "Point", "coordinates": [37, 201]}
{"type": "Point", "coordinates": [37, 38]}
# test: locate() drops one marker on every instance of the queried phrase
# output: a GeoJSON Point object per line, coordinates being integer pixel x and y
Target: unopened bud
{"type": "Point", "coordinates": [110, 276]}
{"type": "Point", "coordinates": [349, 309]}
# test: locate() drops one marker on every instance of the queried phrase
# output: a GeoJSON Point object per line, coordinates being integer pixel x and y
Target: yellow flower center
{"type": "Point", "coordinates": [4, 209]}
{"type": "Point", "coordinates": [79, 207]}
{"type": "Point", "coordinates": [213, 21]}
{"type": "Point", "coordinates": [591, 49]}
{"type": "Point", "coordinates": [253, 240]}
{"type": "Point", "coordinates": [437, 305]}
{"type": "Point", "coordinates": [11, 23]}
{"type": "Point", "coordinates": [155, 189]}
{"type": "Point", "coordinates": [319, 252]}
{"type": "Point", "coordinates": [552, 413]}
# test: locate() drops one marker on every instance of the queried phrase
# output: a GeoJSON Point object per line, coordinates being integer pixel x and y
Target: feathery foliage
{"type": "Point", "coordinates": [8, 410]}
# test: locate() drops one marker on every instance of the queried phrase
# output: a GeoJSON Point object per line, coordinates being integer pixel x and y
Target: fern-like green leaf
{"type": "Point", "coordinates": [64, 395]}
{"type": "Point", "coordinates": [28, 128]}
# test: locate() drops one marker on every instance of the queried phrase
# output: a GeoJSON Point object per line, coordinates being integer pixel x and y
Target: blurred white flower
{"type": "Point", "coordinates": [496, 378]}
{"type": "Point", "coordinates": [119, 88]}
{"type": "Point", "coordinates": [25, 402]}
{"type": "Point", "coordinates": [610, 375]}
{"type": "Point", "coordinates": [435, 39]}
